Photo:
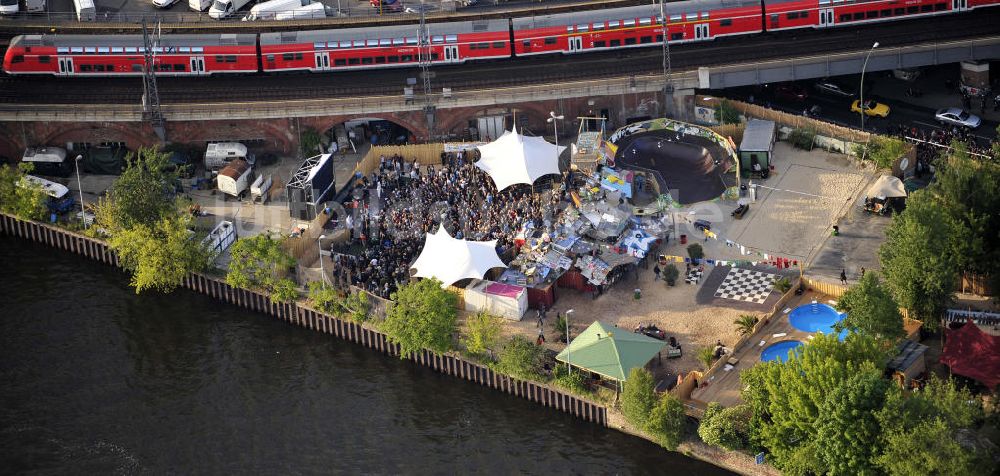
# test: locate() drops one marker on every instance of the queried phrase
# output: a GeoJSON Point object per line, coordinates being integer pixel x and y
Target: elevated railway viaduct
{"type": "Point", "coordinates": [276, 109]}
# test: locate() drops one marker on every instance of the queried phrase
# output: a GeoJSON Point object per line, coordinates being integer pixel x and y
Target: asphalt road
{"type": "Point", "coordinates": [882, 87]}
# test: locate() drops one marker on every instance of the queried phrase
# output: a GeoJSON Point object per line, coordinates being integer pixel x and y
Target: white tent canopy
{"type": "Point", "coordinates": [450, 260]}
{"type": "Point", "coordinates": [887, 186]}
{"type": "Point", "coordinates": [514, 159]}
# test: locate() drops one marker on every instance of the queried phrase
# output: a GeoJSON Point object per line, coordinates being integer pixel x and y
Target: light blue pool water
{"type": "Point", "coordinates": [779, 351]}
{"type": "Point", "coordinates": [816, 317]}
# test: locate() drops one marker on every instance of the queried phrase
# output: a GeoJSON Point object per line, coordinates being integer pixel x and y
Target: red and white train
{"type": "Point", "coordinates": [451, 42]}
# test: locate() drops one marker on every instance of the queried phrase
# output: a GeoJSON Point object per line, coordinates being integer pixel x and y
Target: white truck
{"type": "Point", "coordinates": [85, 10]}
{"type": "Point", "coordinates": [313, 10]}
{"type": "Point", "coordinates": [234, 178]}
{"type": "Point", "coordinates": [267, 10]}
{"type": "Point", "coordinates": [218, 154]}
{"type": "Point", "coordinates": [223, 8]}
{"type": "Point", "coordinates": [199, 5]}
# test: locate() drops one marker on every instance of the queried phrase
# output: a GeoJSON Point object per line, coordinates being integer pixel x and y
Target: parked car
{"type": "Point", "coordinates": [906, 74]}
{"type": "Point", "coordinates": [791, 92]}
{"type": "Point", "coordinates": [872, 108]}
{"type": "Point", "coordinates": [833, 89]}
{"type": "Point", "coordinates": [954, 116]}
{"type": "Point", "coordinates": [703, 225]}
{"type": "Point", "coordinates": [164, 3]}
{"type": "Point", "coordinates": [418, 7]}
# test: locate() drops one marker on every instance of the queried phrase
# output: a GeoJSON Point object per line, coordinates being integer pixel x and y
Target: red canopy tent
{"type": "Point", "coordinates": [973, 353]}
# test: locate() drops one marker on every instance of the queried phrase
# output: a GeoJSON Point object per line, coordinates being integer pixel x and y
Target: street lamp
{"type": "Point", "coordinates": [322, 270]}
{"type": "Point", "coordinates": [555, 129]}
{"type": "Point", "coordinates": [569, 369]}
{"type": "Point", "coordinates": [861, 90]}
{"type": "Point", "coordinates": [79, 185]}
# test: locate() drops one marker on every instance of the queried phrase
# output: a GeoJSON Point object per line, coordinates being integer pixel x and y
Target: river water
{"type": "Point", "coordinates": [96, 380]}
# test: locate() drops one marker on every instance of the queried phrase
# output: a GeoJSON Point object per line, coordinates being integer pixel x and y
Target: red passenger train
{"type": "Point", "coordinates": [452, 42]}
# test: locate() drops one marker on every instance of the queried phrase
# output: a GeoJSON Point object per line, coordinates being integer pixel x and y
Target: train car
{"type": "Point", "coordinates": [695, 20]}
{"type": "Point", "coordinates": [122, 55]}
{"type": "Point", "coordinates": [382, 47]}
{"type": "Point", "coordinates": [789, 14]}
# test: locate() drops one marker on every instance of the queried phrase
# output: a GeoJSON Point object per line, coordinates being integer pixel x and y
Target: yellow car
{"type": "Point", "coordinates": [872, 108]}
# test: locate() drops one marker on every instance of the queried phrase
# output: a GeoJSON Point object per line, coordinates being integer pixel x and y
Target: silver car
{"type": "Point", "coordinates": [956, 117]}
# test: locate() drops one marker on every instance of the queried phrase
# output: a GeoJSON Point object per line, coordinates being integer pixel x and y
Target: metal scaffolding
{"type": "Point", "coordinates": [150, 95]}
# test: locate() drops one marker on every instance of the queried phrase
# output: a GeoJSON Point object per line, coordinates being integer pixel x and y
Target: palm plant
{"type": "Point", "coordinates": [745, 323]}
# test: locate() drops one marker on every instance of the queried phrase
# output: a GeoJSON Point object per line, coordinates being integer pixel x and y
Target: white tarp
{"type": "Point", "coordinates": [504, 300]}
{"type": "Point", "coordinates": [887, 186]}
{"type": "Point", "coordinates": [450, 260]}
{"type": "Point", "coordinates": [514, 159]}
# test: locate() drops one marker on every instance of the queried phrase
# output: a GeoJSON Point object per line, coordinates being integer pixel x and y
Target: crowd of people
{"type": "Point", "coordinates": [930, 143]}
{"type": "Point", "coordinates": [399, 203]}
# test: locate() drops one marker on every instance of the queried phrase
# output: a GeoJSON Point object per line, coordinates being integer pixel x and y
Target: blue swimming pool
{"type": "Point", "coordinates": [779, 351]}
{"type": "Point", "coordinates": [816, 317]}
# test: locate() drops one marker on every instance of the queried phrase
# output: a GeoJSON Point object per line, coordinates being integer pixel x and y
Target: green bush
{"type": "Point", "coordinates": [695, 251]}
{"type": "Point", "coordinates": [745, 323]}
{"type": "Point", "coordinates": [19, 198]}
{"type": "Point", "coordinates": [284, 291]}
{"type": "Point", "coordinates": [310, 142]}
{"type": "Point", "coordinates": [638, 397]}
{"type": "Point", "coordinates": [706, 355]}
{"type": "Point", "coordinates": [726, 113]}
{"type": "Point", "coordinates": [324, 298]}
{"type": "Point", "coordinates": [520, 358]}
{"type": "Point", "coordinates": [725, 427]}
{"type": "Point", "coordinates": [882, 151]}
{"type": "Point", "coordinates": [670, 273]}
{"type": "Point", "coordinates": [782, 285]}
{"type": "Point", "coordinates": [423, 317]}
{"type": "Point", "coordinates": [483, 333]}
{"type": "Point", "coordinates": [803, 138]}
{"type": "Point", "coordinates": [666, 421]}
{"type": "Point", "coordinates": [574, 382]}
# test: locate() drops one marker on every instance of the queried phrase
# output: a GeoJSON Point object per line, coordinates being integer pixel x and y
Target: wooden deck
{"type": "Point", "coordinates": [724, 386]}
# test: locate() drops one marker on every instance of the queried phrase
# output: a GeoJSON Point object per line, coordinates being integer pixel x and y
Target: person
{"type": "Point", "coordinates": [843, 276]}
{"type": "Point", "coordinates": [836, 230]}
{"type": "Point", "coordinates": [862, 271]}
{"type": "Point", "coordinates": [656, 272]}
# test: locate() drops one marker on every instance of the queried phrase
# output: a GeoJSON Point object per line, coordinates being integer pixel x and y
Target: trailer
{"type": "Point", "coordinates": [267, 10]}
{"type": "Point", "coordinates": [218, 154]}
{"type": "Point", "coordinates": [260, 188]}
{"type": "Point", "coordinates": [234, 179]}
{"type": "Point", "coordinates": [313, 10]}
{"type": "Point", "coordinates": [221, 237]}
{"type": "Point", "coordinates": [60, 201]}
{"type": "Point", "coordinates": [48, 161]}
{"type": "Point", "coordinates": [34, 6]}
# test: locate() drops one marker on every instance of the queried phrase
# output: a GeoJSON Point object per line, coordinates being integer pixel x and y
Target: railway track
{"type": "Point", "coordinates": [501, 73]}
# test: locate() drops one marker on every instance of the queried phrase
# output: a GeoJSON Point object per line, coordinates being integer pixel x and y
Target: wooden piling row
{"type": "Point", "coordinates": [309, 318]}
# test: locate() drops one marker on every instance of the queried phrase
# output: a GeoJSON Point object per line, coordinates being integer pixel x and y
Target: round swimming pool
{"type": "Point", "coordinates": [816, 317]}
{"type": "Point", "coordinates": [779, 350]}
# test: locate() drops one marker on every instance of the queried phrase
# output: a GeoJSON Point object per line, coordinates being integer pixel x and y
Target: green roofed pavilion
{"type": "Point", "coordinates": [610, 351]}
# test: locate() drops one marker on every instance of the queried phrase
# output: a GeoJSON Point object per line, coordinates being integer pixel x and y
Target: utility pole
{"type": "Point", "coordinates": [150, 95]}
{"type": "Point", "coordinates": [425, 63]}
{"type": "Point", "coordinates": [668, 85]}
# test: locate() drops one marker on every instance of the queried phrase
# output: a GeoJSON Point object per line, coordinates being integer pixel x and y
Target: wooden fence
{"type": "Point", "coordinates": [304, 316]}
{"type": "Point", "coordinates": [825, 287]}
{"type": "Point", "coordinates": [792, 120]}
{"type": "Point", "coordinates": [424, 154]}
{"type": "Point", "coordinates": [731, 130]}
{"type": "Point", "coordinates": [977, 284]}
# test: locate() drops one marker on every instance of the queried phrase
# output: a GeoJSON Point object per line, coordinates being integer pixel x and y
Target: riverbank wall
{"type": "Point", "coordinates": [304, 316]}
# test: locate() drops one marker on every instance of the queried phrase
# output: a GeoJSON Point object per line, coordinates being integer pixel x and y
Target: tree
{"type": "Point", "coordinates": [561, 327]}
{"type": "Point", "coordinates": [259, 262]}
{"type": "Point", "coordinates": [919, 431]}
{"type": "Point", "coordinates": [968, 189]}
{"type": "Point", "coordinates": [311, 142]}
{"type": "Point", "coordinates": [745, 323]}
{"type": "Point", "coordinates": [356, 305]}
{"type": "Point", "coordinates": [695, 251]}
{"type": "Point", "coordinates": [423, 317]}
{"type": "Point", "coordinates": [638, 397]}
{"type": "Point", "coordinates": [483, 334]}
{"type": "Point", "coordinates": [142, 194]}
{"type": "Point", "coordinates": [666, 421]}
{"type": "Point", "coordinates": [20, 197]}
{"type": "Point", "coordinates": [520, 358]}
{"type": "Point", "coordinates": [159, 255]}
{"type": "Point", "coordinates": [706, 355]}
{"type": "Point", "coordinates": [324, 298]}
{"type": "Point", "coordinates": [929, 449]}
{"type": "Point", "coordinates": [871, 310]}
{"type": "Point", "coordinates": [725, 427]}
{"type": "Point", "coordinates": [847, 426]}
{"type": "Point", "coordinates": [787, 399]}
{"type": "Point", "coordinates": [917, 258]}
{"type": "Point", "coordinates": [726, 113]}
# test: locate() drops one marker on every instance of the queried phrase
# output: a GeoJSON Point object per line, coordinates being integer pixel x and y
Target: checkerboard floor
{"type": "Point", "coordinates": [746, 285]}
{"type": "Point", "coordinates": [693, 276]}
